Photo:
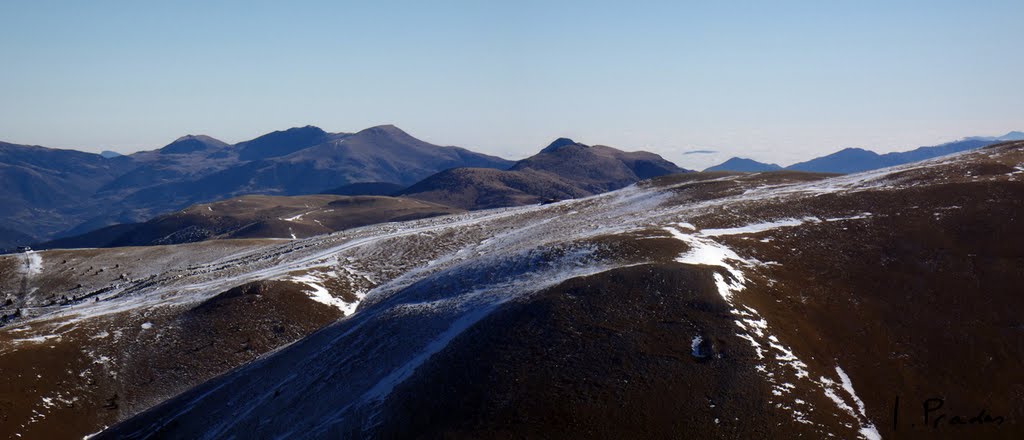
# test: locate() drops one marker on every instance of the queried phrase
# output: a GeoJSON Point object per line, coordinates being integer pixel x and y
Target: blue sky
{"type": "Point", "coordinates": [775, 81]}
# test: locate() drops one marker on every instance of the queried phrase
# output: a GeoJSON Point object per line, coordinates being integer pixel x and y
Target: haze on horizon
{"type": "Point", "coordinates": [777, 82]}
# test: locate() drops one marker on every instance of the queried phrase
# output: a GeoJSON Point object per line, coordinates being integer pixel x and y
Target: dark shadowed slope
{"type": "Point", "coordinates": [280, 143]}
{"type": "Point", "coordinates": [10, 239]}
{"type": "Point", "coordinates": [186, 157]}
{"type": "Point", "coordinates": [562, 170]}
{"type": "Point", "coordinates": [257, 217]}
{"type": "Point", "coordinates": [42, 186]}
{"type": "Point", "coordinates": [479, 188]}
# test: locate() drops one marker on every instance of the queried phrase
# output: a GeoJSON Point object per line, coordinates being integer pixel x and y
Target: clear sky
{"type": "Point", "coordinates": [771, 80]}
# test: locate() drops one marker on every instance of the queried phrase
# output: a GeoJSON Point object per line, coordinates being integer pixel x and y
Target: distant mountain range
{"type": "Point", "coordinates": [68, 198]}
{"type": "Point", "coordinates": [563, 170]}
{"type": "Point", "coordinates": [852, 160]}
{"type": "Point", "coordinates": [74, 199]}
{"type": "Point", "coordinates": [50, 193]}
{"type": "Point", "coordinates": [10, 238]}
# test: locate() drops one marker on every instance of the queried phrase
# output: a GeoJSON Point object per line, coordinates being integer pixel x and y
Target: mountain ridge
{"type": "Point", "coordinates": [55, 193]}
{"type": "Point", "coordinates": [562, 170]}
{"type": "Point", "coordinates": [744, 165]}
{"type": "Point", "coordinates": [854, 159]}
{"type": "Point", "coordinates": [568, 171]}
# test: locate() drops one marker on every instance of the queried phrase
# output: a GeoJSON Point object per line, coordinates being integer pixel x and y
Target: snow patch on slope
{"type": "Point", "coordinates": [33, 264]}
{"type": "Point", "coordinates": [295, 218]}
{"type": "Point", "coordinates": [867, 429]}
{"type": "Point", "coordinates": [756, 228]}
{"type": "Point", "coordinates": [753, 228]}
{"type": "Point", "coordinates": [319, 293]}
{"type": "Point", "coordinates": [754, 328]}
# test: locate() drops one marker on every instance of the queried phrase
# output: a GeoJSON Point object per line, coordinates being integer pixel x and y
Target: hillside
{"type": "Point", "coordinates": [10, 239]}
{"type": "Point", "coordinates": [716, 305]}
{"type": "Point", "coordinates": [38, 181]}
{"type": "Point", "coordinates": [257, 217]}
{"type": "Point", "coordinates": [367, 189]}
{"type": "Point", "coordinates": [562, 170]}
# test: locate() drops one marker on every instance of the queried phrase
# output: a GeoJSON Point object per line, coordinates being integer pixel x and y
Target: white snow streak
{"type": "Point", "coordinates": [320, 294]}
{"type": "Point", "coordinates": [705, 251]}
{"type": "Point", "coordinates": [295, 218]}
{"type": "Point", "coordinates": [867, 428]}
{"type": "Point", "coordinates": [33, 263]}
{"type": "Point", "coordinates": [772, 225]}
{"type": "Point", "coordinates": [753, 228]}
{"type": "Point", "coordinates": [36, 339]}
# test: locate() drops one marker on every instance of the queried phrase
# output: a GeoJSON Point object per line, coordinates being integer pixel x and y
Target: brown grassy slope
{"type": "Point", "coordinates": [258, 217]}
{"type": "Point", "coordinates": [563, 170]}
{"type": "Point", "coordinates": [105, 370]}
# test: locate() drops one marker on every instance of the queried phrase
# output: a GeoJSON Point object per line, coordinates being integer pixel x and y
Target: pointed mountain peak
{"type": "Point", "coordinates": [192, 143]}
{"type": "Point", "coordinates": [744, 165]}
{"type": "Point", "coordinates": [559, 144]}
{"type": "Point", "coordinates": [307, 129]}
{"type": "Point", "coordinates": [280, 143]}
{"type": "Point", "coordinates": [1012, 136]}
{"type": "Point", "coordinates": [199, 137]}
{"type": "Point", "coordinates": [384, 135]}
{"type": "Point", "coordinates": [384, 130]}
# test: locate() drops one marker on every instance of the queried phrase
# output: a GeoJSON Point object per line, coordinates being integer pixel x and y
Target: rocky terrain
{"type": "Point", "coordinates": [706, 305]}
